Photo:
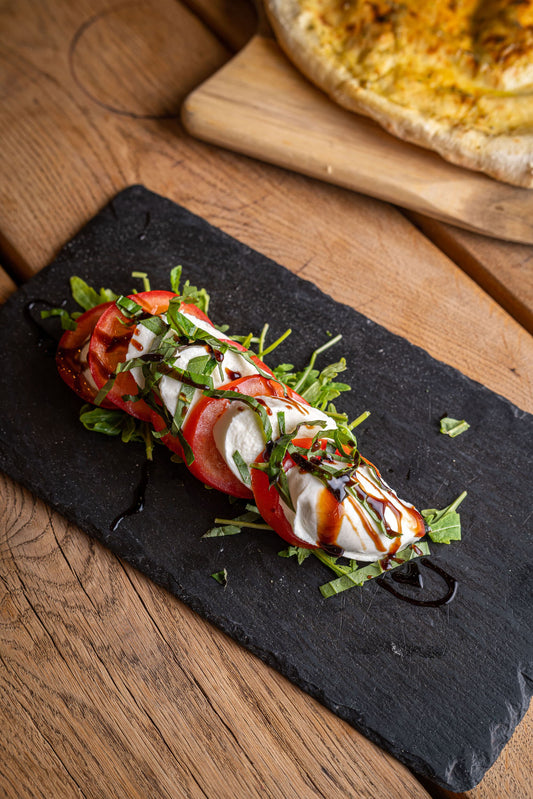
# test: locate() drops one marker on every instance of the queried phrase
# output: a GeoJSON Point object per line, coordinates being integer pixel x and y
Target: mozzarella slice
{"type": "Point", "coordinates": [231, 366]}
{"type": "Point", "coordinates": [143, 341]}
{"type": "Point", "coordinates": [239, 428]}
{"type": "Point", "coordinates": [319, 519]}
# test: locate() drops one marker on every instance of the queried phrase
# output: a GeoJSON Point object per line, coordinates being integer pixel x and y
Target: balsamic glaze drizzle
{"type": "Point", "coordinates": [450, 581]}
{"type": "Point", "coordinates": [138, 499]}
{"type": "Point", "coordinates": [45, 340]}
{"type": "Point", "coordinates": [409, 575]}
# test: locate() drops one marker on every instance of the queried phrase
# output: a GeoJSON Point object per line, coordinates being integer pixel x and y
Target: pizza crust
{"type": "Point", "coordinates": [506, 156]}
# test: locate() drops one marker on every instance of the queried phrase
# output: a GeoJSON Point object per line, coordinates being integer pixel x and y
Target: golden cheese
{"type": "Point", "coordinates": [465, 62]}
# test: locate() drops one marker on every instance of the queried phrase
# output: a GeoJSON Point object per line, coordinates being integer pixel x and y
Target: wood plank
{"type": "Point", "coordinates": [110, 686]}
{"type": "Point", "coordinates": [7, 286]}
{"type": "Point", "coordinates": [503, 269]}
{"type": "Point", "coordinates": [73, 102]}
{"type": "Point", "coordinates": [258, 104]}
{"type": "Point", "coordinates": [233, 21]}
{"type": "Point", "coordinates": [86, 152]}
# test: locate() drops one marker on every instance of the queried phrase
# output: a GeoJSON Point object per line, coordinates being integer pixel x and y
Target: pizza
{"type": "Point", "coordinates": [454, 76]}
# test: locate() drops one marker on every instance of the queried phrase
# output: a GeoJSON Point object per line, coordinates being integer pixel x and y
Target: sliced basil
{"type": "Point", "coordinates": [453, 427]}
{"type": "Point", "coordinates": [243, 469]}
{"type": "Point", "coordinates": [359, 576]}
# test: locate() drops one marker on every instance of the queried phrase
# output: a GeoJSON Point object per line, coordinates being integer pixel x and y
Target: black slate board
{"type": "Point", "coordinates": [440, 688]}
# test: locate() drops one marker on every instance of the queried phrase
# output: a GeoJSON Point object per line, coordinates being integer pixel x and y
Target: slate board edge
{"type": "Point", "coordinates": [239, 634]}
{"type": "Point", "coordinates": [236, 632]}
{"type": "Point", "coordinates": [140, 190]}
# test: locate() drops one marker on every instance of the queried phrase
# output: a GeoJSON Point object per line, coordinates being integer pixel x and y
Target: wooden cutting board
{"type": "Point", "coordinates": [260, 105]}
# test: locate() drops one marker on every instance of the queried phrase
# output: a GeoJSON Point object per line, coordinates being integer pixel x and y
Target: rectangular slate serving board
{"type": "Point", "coordinates": [440, 688]}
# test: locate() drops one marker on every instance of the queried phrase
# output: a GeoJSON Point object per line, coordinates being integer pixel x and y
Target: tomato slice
{"type": "Point", "coordinates": [172, 442]}
{"type": "Point", "coordinates": [268, 500]}
{"type": "Point", "coordinates": [109, 345]}
{"type": "Point", "coordinates": [72, 355]}
{"type": "Point", "coordinates": [209, 465]}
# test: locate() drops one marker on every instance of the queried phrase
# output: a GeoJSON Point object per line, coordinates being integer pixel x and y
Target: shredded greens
{"type": "Point", "coordinates": [453, 427]}
{"type": "Point", "coordinates": [444, 525]}
{"type": "Point", "coordinates": [221, 577]}
{"type": "Point", "coordinates": [85, 296]}
{"type": "Point", "coordinates": [117, 423]}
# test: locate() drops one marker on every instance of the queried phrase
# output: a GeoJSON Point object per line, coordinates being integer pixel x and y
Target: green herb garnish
{"type": "Point", "coordinates": [250, 520]}
{"type": "Point", "coordinates": [88, 297]}
{"type": "Point", "coordinates": [68, 321]}
{"type": "Point", "coordinates": [243, 469]}
{"type": "Point", "coordinates": [111, 422]}
{"type": "Point", "coordinates": [453, 427]}
{"type": "Point", "coordinates": [188, 293]}
{"type": "Point", "coordinates": [221, 577]}
{"type": "Point", "coordinates": [361, 575]}
{"type": "Point", "coordinates": [144, 277]}
{"type": "Point", "coordinates": [444, 525]}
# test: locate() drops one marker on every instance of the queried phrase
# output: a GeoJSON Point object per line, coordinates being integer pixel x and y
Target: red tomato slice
{"type": "Point", "coordinates": [209, 465]}
{"type": "Point", "coordinates": [72, 355]}
{"type": "Point", "coordinates": [268, 500]}
{"type": "Point", "coordinates": [109, 345]}
{"type": "Point", "coordinates": [172, 442]}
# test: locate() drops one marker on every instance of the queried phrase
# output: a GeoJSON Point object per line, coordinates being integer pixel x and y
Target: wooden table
{"type": "Point", "coordinates": [109, 686]}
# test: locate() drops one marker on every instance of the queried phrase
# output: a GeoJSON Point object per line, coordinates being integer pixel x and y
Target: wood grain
{"type": "Point", "coordinates": [102, 672]}
{"type": "Point", "coordinates": [505, 270]}
{"type": "Point", "coordinates": [111, 687]}
{"type": "Point", "coordinates": [7, 286]}
{"type": "Point", "coordinates": [258, 104]}
{"type": "Point", "coordinates": [87, 153]}
{"type": "Point", "coordinates": [312, 123]}
{"type": "Point", "coordinates": [233, 21]}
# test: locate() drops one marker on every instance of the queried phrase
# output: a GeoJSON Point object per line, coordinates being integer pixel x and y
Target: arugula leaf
{"type": "Point", "coordinates": [175, 277]}
{"type": "Point", "coordinates": [444, 525]}
{"type": "Point", "coordinates": [188, 293]}
{"type": "Point", "coordinates": [68, 321]}
{"type": "Point", "coordinates": [221, 577]}
{"type": "Point", "coordinates": [86, 296]}
{"type": "Point", "coordinates": [198, 297]}
{"type": "Point", "coordinates": [144, 277]}
{"type": "Point", "coordinates": [319, 388]}
{"type": "Point", "coordinates": [453, 427]}
{"type": "Point", "coordinates": [222, 530]}
{"type": "Point", "coordinates": [302, 553]}
{"type": "Point", "coordinates": [117, 423]}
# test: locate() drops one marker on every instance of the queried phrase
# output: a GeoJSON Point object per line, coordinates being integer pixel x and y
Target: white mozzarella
{"type": "Point", "coordinates": [231, 365]}
{"type": "Point", "coordinates": [143, 341]}
{"type": "Point", "coordinates": [240, 429]}
{"type": "Point", "coordinates": [356, 531]}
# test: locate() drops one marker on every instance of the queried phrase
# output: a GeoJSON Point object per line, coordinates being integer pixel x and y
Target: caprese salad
{"type": "Point", "coordinates": [239, 428]}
